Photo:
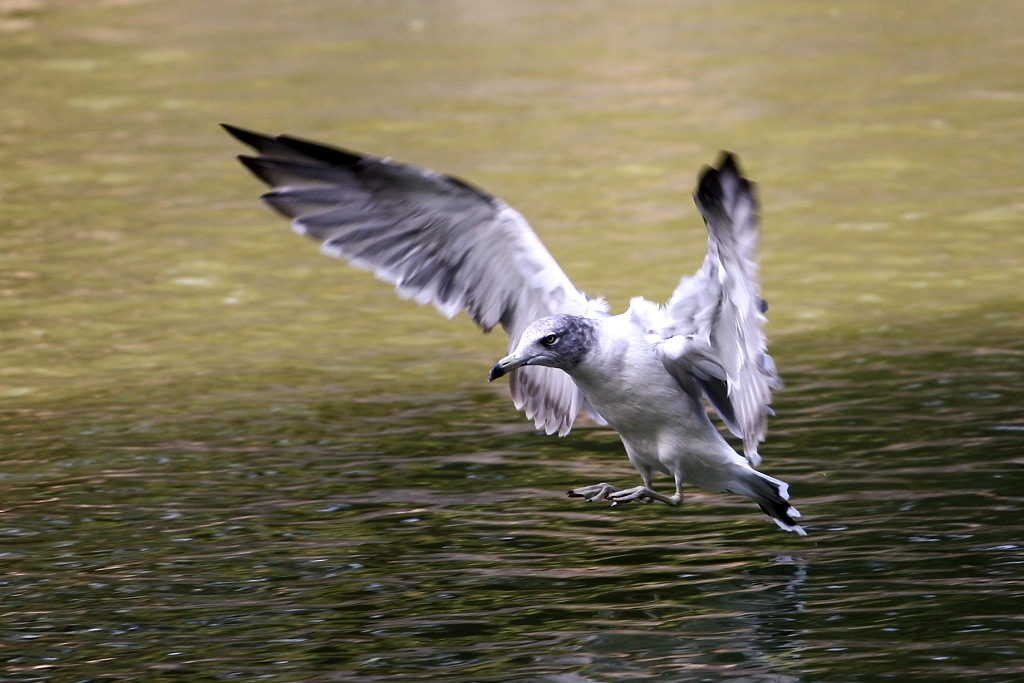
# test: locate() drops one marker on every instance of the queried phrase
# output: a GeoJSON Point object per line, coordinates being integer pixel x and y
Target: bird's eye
{"type": "Point", "coordinates": [549, 339]}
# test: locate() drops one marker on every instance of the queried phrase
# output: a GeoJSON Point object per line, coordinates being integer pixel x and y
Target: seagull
{"type": "Point", "coordinates": [645, 372]}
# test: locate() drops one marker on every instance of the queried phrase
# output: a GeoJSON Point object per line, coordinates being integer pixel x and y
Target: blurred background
{"type": "Point", "coordinates": [225, 456]}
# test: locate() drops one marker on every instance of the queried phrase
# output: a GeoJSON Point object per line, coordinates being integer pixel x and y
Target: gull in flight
{"type": "Point", "coordinates": [644, 372]}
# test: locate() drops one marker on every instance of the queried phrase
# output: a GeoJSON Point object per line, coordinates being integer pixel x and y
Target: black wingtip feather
{"type": "Point", "coordinates": [289, 147]}
{"type": "Point", "coordinates": [710, 189]}
{"type": "Point", "coordinates": [728, 163]}
{"type": "Point", "coordinates": [331, 155]}
{"type": "Point", "coordinates": [718, 188]}
{"type": "Point", "coordinates": [256, 167]}
{"type": "Point", "coordinates": [246, 137]}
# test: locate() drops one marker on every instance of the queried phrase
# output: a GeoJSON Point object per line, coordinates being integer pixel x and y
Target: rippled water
{"type": "Point", "coordinates": [225, 457]}
{"type": "Point", "coordinates": [376, 539]}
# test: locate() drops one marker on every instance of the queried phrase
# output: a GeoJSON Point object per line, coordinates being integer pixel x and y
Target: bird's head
{"type": "Point", "coordinates": [557, 341]}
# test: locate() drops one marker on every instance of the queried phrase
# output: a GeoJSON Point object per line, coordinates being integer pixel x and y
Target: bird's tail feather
{"type": "Point", "coordinates": [771, 495]}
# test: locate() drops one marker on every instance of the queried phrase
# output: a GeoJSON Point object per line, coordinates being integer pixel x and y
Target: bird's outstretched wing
{"type": "Point", "coordinates": [713, 326]}
{"type": "Point", "coordinates": [438, 239]}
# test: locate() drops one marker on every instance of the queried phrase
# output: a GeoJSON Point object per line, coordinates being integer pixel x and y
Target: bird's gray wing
{"type": "Point", "coordinates": [438, 239]}
{"type": "Point", "coordinates": [718, 313]}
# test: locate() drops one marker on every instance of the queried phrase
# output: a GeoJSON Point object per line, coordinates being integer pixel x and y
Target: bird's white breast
{"type": "Point", "coordinates": [659, 423]}
{"type": "Point", "coordinates": [627, 382]}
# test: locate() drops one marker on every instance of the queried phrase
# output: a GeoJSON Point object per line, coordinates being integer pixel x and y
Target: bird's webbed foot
{"type": "Point", "coordinates": [615, 495]}
{"type": "Point", "coordinates": [593, 494]}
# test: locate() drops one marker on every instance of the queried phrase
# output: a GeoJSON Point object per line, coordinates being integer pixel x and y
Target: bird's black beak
{"type": "Point", "coordinates": [505, 366]}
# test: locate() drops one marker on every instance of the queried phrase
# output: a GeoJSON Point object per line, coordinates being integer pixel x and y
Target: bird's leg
{"type": "Point", "coordinates": [645, 494]}
{"type": "Point", "coordinates": [641, 494]}
{"type": "Point", "coordinates": [597, 492]}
